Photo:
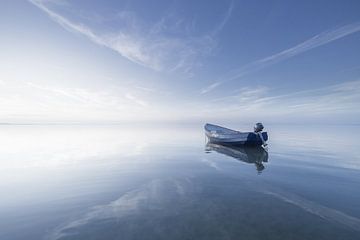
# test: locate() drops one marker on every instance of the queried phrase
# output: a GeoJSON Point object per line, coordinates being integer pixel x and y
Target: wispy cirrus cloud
{"type": "Point", "coordinates": [244, 95]}
{"type": "Point", "coordinates": [210, 87]}
{"type": "Point", "coordinates": [224, 21]}
{"type": "Point", "coordinates": [136, 100]}
{"type": "Point", "coordinates": [339, 100]}
{"type": "Point", "coordinates": [29, 102]}
{"type": "Point", "coordinates": [314, 42]}
{"type": "Point", "coordinates": [102, 98]}
{"type": "Point", "coordinates": [149, 45]}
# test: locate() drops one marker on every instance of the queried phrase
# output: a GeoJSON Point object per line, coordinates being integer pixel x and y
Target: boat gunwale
{"type": "Point", "coordinates": [229, 131]}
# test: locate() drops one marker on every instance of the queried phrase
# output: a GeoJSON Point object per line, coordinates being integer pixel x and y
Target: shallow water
{"type": "Point", "coordinates": [113, 182]}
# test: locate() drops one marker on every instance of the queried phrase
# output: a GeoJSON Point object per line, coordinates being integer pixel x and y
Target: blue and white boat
{"type": "Point", "coordinates": [225, 136]}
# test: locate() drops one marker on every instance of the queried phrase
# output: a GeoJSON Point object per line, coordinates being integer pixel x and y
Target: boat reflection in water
{"type": "Point", "coordinates": [256, 155]}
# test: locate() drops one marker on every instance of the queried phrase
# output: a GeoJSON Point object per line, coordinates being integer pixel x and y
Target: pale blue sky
{"type": "Point", "coordinates": [221, 61]}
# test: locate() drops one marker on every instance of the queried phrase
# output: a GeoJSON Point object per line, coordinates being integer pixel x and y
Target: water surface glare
{"type": "Point", "coordinates": [114, 182]}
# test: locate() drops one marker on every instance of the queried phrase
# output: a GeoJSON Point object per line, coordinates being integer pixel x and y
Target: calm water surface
{"type": "Point", "coordinates": [113, 182]}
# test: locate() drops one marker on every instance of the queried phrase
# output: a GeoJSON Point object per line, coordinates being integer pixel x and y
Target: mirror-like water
{"type": "Point", "coordinates": [112, 182]}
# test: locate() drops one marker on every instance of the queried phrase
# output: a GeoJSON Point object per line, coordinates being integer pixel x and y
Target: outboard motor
{"type": "Point", "coordinates": [258, 127]}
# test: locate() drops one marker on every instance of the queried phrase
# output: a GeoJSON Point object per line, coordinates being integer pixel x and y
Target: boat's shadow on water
{"type": "Point", "coordinates": [247, 154]}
